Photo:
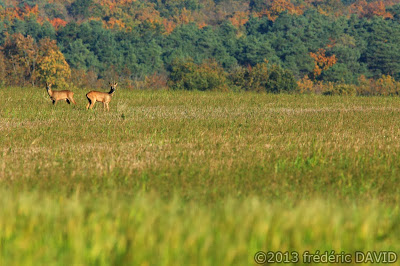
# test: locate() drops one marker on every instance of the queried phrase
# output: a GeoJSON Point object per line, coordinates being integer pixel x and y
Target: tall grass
{"type": "Point", "coordinates": [171, 178]}
{"type": "Point", "coordinates": [144, 230]}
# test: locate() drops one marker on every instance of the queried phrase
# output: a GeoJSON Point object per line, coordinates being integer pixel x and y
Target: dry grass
{"type": "Point", "coordinates": [195, 153]}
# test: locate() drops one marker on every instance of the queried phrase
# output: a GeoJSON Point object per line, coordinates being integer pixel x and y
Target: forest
{"type": "Point", "coordinates": [321, 46]}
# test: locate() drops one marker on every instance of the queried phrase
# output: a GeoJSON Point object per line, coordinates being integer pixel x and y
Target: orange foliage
{"type": "Point", "coordinates": [385, 85]}
{"type": "Point", "coordinates": [31, 10]}
{"type": "Point", "coordinates": [239, 18]}
{"type": "Point", "coordinates": [368, 10]}
{"type": "Point", "coordinates": [275, 7]}
{"type": "Point", "coordinates": [201, 25]}
{"type": "Point", "coordinates": [329, 7]}
{"type": "Point", "coordinates": [114, 23]}
{"type": "Point", "coordinates": [21, 54]}
{"type": "Point", "coordinates": [322, 62]}
{"type": "Point", "coordinates": [169, 25]}
{"type": "Point", "coordinates": [149, 14]}
{"type": "Point", "coordinates": [114, 8]}
{"type": "Point", "coordinates": [305, 85]}
{"type": "Point", "coordinates": [322, 11]}
{"type": "Point", "coordinates": [11, 13]}
{"type": "Point", "coordinates": [19, 13]}
{"type": "Point", "coordinates": [112, 4]}
{"type": "Point", "coordinates": [57, 22]}
{"type": "Point", "coordinates": [184, 17]}
{"type": "Point", "coordinates": [126, 14]}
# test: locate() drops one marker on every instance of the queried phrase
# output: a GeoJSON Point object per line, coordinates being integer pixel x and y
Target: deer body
{"type": "Point", "coordinates": [104, 97]}
{"type": "Point", "coordinates": [55, 96]}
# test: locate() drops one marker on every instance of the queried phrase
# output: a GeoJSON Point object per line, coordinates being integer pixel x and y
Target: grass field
{"type": "Point", "coordinates": [190, 178]}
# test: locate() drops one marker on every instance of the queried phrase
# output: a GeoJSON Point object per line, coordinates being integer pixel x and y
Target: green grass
{"type": "Point", "coordinates": [190, 178]}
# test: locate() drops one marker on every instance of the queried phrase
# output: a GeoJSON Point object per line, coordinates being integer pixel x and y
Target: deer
{"type": "Point", "coordinates": [104, 97]}
{"type": "Point", "coordinates": [55, 96]}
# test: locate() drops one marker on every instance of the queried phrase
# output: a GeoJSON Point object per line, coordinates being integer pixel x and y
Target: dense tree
{"type": "Point", "coordinates": [80, 8]}
{"type": "Point", "coordinates": [187, 75]}
{"type": "Point", "coordinates": [136, 38]}
{"type": "Point", "coordinates": [383, 53]}
{"type": "Point", "coordinates": [79, 56]}
{"type": "Point", "coordinates": [255, 50]}
{"type": "Point", "coordinates": [21, 54]}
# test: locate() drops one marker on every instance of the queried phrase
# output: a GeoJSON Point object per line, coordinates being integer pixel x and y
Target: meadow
{"type": "Point", "coordinates": [194, 178]}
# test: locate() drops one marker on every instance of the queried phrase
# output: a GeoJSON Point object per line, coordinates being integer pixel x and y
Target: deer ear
{"type": "Point", "coordinates": [116, 83]}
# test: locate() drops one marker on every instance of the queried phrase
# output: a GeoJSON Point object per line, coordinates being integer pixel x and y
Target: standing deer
{"type": "Point", "coordinates": [55, 96]}
{"type": "Point", "coordinates": [104, 97]}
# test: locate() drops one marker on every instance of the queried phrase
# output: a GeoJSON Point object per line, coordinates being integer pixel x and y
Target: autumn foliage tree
{"type": "Point", "coordinates": [27, 61]}
{"type": "Point", "coordinates": [276, 7]}
{"type": "Point", "coordinates": [239, 18]}
{"type": "Point", "coordinates": [57, 22]}
{"type": "Point", "coordinates": [21, 54]}
{"type": "Point", "coordinates": [51, 64]}
{"type": "Point", "coordinates": [370, 9]}
{"type": "Point", "coordinates": [321, 62]}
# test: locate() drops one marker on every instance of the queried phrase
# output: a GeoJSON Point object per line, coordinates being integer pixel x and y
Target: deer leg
{"type": "Point", "coordinates": [67, 100]}
{"type": "Point", "coordinates": [108, 108]}
{"type": "Point", "coordinates": [87, 106]}
{"type": "Point", "coordinates": [92, 104]}
{"type": "Point", "coordinates": [72, 100]}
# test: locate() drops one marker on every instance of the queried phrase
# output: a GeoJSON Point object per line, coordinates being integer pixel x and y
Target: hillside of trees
{"type": "Point", "coordinates": [329, 46]}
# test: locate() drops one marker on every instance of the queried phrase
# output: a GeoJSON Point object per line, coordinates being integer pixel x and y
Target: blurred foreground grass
{"type": "Point", "coordinates": [173, 178]}
{"type": "Point", "coordinates": [145, 230]}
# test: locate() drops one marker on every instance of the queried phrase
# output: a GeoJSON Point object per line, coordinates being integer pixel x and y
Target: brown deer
{"type": "Point", "coordinates": [104, 97]}
{"type": "Point", "coordinates": [55, 96]}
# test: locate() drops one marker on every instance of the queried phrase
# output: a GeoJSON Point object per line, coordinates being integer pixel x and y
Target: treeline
{"type": "Point", "coordinates": [315, 45]}
{"type": "Point", "coordinates": [264, 77]}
